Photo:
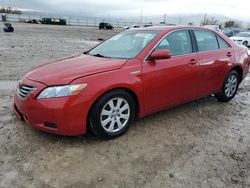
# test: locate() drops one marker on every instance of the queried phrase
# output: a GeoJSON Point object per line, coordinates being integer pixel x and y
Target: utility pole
{"type": "Point", "coordinates": [205, 19]}
{"type": "Point", "coordinates": [164, 18]}
{"type": "Point", "coordinates": [141, 17]}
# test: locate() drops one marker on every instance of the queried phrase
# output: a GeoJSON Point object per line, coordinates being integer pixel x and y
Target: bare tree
{"type": "Point", "coordinates": [232, 23]}
{"type": "Point", "coordinates": [209, 21]}
{"type": "Point", "coordinates": [10, 10]}
{"type": "Point", "coordinates": [248, 27]}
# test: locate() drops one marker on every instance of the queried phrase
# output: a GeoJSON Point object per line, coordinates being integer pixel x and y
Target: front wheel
{"type": "Point", "coordinates": [229, 88]}
{"type": "Point", "coordinates": [112, 114]}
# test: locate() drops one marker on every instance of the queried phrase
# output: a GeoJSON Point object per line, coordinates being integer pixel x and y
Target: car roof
{"type": "Point", "coordinates": [169, 28]}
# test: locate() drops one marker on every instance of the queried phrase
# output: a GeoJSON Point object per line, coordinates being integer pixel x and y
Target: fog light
{"type": "Point", "coordinates": [50, 125]}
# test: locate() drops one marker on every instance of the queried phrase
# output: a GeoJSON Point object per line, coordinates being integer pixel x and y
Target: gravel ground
{"type": "Point", "coordinates": [200, 144]}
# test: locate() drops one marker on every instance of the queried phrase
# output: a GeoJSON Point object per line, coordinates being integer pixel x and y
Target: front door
{"type": "Point", "coordinates": [173, 81]}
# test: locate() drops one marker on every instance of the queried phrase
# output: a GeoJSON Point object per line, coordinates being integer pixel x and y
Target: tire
{"type": "Point", "coordinates": [110, 122]}
{"type": "Point", "coordinates": [8, 29]}
{"type": "Point", "coordinates": [11, 29]}
{"type": "Point", "coordinates": [245, 43]}
{"type": "Point", "coordinates": [230, 87]}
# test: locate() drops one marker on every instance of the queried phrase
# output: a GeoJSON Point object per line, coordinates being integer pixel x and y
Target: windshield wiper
{"type": "Point", "coordinates": [99, 55]}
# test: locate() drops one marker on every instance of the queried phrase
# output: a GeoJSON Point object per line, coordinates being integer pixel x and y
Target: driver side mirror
{"type": "Point", "coordinates": [161, 54]}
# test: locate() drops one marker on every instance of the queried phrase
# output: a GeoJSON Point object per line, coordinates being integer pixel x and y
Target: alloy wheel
{"type": "Point", "coordinates": [231, 85]}
{"type": "Point", "coordinates": [115, 114]}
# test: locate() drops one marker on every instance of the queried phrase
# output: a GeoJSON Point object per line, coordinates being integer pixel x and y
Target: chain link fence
{"type": "Point", "coordinates": [74, 21]}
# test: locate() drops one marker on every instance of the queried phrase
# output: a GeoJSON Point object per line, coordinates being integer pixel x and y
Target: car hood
{"type": "Point", "coordinates": [65, 70]}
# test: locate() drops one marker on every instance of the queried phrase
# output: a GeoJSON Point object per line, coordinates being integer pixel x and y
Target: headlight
{"type": "Point", "coordinates": [248, 52]}
{"type": "Point", "coordinates": [19, 82]}
{"type": "Point", "coordinates": [61, 91]}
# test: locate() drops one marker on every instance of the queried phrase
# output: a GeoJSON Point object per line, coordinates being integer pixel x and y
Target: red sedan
{"type": "Point", "coordinates": [128, 76]}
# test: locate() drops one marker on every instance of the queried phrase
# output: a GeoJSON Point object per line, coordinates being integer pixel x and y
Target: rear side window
{"type": "Point", "coordinates": [177, 42]}
{"type": "Point", "coordinates": [206, 40]}
{"type": "Point", "coordinates": [222, 43]}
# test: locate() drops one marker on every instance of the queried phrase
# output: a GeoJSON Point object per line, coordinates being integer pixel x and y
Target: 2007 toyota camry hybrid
{"type": "Point", "coordinates": [128, 76]}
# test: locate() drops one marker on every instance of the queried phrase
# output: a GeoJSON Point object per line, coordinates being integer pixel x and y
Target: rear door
{"type": "Point", "coordinates": [168, 82]}
{"type": "Point", "coordinates": [214, 56]}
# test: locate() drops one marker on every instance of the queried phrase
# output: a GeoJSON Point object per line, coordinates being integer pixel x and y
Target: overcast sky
{"type": "Point", "coordinates": [238, 9]}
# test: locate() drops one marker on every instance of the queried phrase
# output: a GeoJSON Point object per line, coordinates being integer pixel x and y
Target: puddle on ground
{"type": "Point", "coordinates": [8, 85]}
{"type": "Point", "coordinates": [87, 42]}
{"type": "Point", "coordinates": [2, 49]}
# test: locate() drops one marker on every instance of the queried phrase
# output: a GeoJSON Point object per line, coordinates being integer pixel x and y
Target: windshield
{"type": "Point", "coordinates": [125, 45]}
{"type": "Point", "coordinates": [243, 35]}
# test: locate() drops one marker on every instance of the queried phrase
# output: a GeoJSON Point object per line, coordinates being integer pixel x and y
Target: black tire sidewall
{"type": "Point", "coordinates": [233, 72]}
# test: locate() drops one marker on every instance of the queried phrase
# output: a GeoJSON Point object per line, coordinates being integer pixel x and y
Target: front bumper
{"type": "Point", "coordinates": [64, 116]}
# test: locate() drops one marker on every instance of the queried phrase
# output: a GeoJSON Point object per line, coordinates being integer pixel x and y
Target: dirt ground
{"type": "Point", "coordinates": [201, 144]}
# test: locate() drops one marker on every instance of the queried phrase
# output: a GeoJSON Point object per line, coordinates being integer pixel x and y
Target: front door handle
{"type": "Point", "coordinates": [193, 61]}
{"type": "Point", "coordinates": [229, 54]}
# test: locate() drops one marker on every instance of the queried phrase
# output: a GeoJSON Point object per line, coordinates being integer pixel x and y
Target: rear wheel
{"type": "Point", "coordinates": [111, 115]}
{"type": "Point", "coordinates": [245, 43]}
{"type": "Point", "coordinates": [229, 88]}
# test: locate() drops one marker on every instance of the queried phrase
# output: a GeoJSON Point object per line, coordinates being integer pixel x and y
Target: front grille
{"type": "Point", "coordinates": [25, 90]}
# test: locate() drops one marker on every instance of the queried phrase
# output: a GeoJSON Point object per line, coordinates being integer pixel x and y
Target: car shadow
{"type": "Point", "coordinates": [138, 124]}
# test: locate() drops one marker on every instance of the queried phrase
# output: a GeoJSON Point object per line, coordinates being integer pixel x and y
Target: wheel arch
{"type": "Point", "coordinates": [239, 70]}
{"type": "Point", "coordinates": [129, 90]}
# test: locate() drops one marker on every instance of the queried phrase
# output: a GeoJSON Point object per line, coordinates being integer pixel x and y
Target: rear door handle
{"type": "Point", "coordinates": [229, 54]}
{"type": "Point", "coordinates": [193, 61]}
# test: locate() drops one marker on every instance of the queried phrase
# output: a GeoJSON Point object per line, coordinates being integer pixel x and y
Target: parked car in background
{"type": "Point", "coordinates": [136, 26]}
{"type": "Point", "coordinates": [33, 21]}
{"type": "Point", "coordinates": [130, 75]}
{"type": "Point", "coordinates": [54, 21]}
{"type": "Point", "coordinates": [148, 25]}
{"type": "Point", "coordinates": [231, 32]}
{"type": "Point", "coordinates": [104, 25]}
{"type": "Point", "coordinates": [132, 27]}
{"type": "Point", "coordinates": [214, 27]}
{"type": "Point", "coordinates": [126, 27]}
{"type": "Point", "coordinates": [242, 38]}
{"type": "Point", "coordinates": [166, 24]}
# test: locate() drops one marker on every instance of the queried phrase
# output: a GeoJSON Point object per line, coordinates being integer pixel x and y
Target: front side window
{"type": "Point", "coordinates": [125, 45]}
{"type": "Point", "coordinates": [206, 40]}
{"type": "Point", "coordinates": [178, 43]}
